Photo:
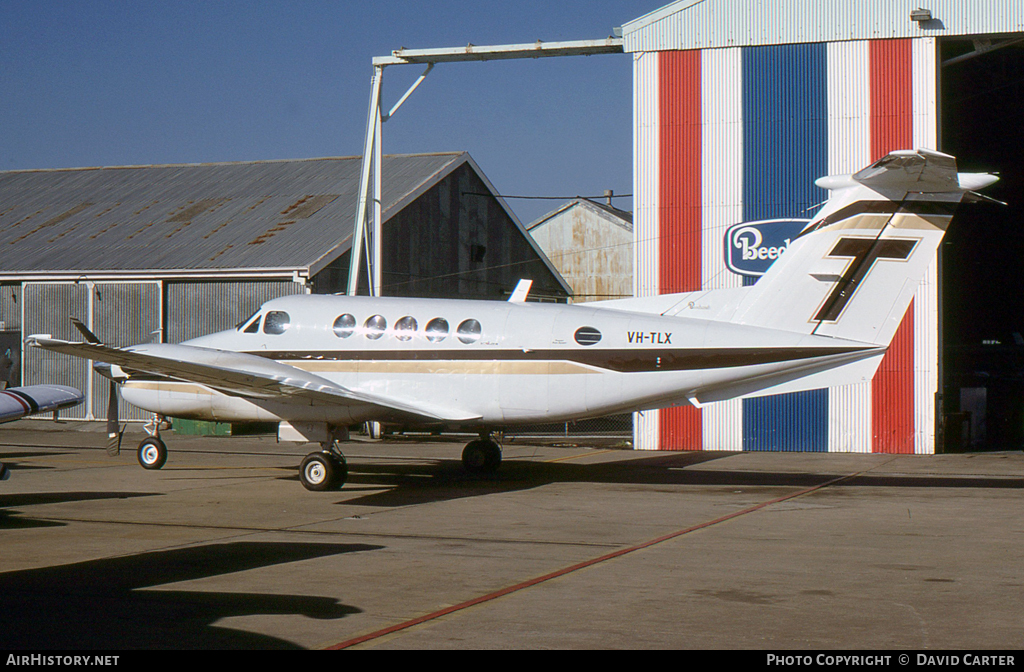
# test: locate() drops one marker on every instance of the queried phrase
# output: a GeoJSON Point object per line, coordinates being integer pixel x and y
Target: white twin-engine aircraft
{"type": "Point", "coordinates": [823, 315]}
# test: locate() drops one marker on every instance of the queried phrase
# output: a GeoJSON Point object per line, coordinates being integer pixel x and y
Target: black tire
{"type": "Point", "coordinates": [340, 469]}
{"type": "Point", "coordinates": [152, 453]}
{"type": "Point", "coordinates": [321, 472]}
{"type": "Point", "coordinates": [481, 456]}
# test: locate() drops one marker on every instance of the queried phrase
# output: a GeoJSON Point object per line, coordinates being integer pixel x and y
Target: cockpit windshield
{"type": "Point", "coordinates": [238, 327]}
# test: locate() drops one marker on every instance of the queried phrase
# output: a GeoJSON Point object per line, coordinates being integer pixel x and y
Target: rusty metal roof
{"type": "Point", "coordinates": [259, 216]}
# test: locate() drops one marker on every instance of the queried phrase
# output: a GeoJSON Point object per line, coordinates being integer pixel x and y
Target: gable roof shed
{"type": "Point", "coordinates": [259, 219]}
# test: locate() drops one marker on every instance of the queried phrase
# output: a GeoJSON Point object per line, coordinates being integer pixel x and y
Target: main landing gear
{"type": "Point", "coordinates": [324, 470]}
{"type": "Point", "coordinates": [482, 456]}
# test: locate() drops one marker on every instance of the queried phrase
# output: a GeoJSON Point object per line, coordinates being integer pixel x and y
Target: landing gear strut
{"type": "Point", "coordinates": [152, 450]}
{"type": "Point", "coordinates": [482, 456]}
{"type": "Point", "coordinates": [324, 470]}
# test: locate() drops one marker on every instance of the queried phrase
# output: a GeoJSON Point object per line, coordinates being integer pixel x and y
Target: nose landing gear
{"type": "Point", "coordinates": [152, 450]}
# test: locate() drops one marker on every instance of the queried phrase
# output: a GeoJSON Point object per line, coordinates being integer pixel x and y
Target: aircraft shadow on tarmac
{"type": "Point", "coordinates": [8, 455]}
{"type": "Point", "coordinates": [418, 483]}
{"type": "Point", "coordinates": [102, 604]}
{"type": "Point", "coordinates": [10, 518]}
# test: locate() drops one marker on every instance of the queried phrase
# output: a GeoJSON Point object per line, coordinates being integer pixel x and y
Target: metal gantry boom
{"type": "Point", "coordinates": [368, 208]}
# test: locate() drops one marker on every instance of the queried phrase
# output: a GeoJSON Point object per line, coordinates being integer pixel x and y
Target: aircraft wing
{"type": "Point", "coordinates": [17, 402]}
{"type": "Point", "coordinates": [242, 375]}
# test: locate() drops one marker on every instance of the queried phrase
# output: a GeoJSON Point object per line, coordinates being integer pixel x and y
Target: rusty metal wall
{"type": "Point", "coordinates": [592, 248]}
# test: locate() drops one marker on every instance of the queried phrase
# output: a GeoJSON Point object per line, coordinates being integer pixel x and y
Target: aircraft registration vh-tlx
{"type": "Point", "coordinates": [822, 315]}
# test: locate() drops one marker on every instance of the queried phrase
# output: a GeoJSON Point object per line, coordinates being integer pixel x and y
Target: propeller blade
{"type": "Point", "coordinates": [113, 423]}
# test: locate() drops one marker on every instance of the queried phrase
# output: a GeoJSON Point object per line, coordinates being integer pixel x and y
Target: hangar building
{"type": "Point", "coordinates": [172, 252]}
{"type": "Point", "coordinates": [740, 106]}
{"type": "Point", "coordinates": [591, 245]}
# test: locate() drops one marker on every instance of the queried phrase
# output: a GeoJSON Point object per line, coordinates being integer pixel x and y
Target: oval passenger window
{"type": "Point", "coordinates": [375, 326]}
{"type": "Point", "coordinates": [437, 330]}
{"type": "Point", "coordinates": [405, 328]}
{"type": "Point", "coordinates": [587, 336]}
{"type": "Point", "coordinates": [344, 326]}
{"type": "Point", "coordinates": [469, 331]}
{"type": "Point", "coordinates": [276, 322]}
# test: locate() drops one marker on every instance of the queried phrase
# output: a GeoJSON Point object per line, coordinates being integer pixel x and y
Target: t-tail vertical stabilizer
{"type": "Point", "coordinates": [852, 272]}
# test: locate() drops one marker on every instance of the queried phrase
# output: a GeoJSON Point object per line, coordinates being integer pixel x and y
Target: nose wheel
{"type": "Point", "coordinates": [152, 453]}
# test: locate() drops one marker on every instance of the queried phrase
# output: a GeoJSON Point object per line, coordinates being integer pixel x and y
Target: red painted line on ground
{"type": "Point", "coordinates": [405, 625]}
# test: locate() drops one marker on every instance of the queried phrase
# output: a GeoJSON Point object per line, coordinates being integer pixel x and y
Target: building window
{"type": "Point", "coordinates": [375, 326]}
{"type": "Point", "coordinates": [277, 322]}
{"type": "Point", "coordinates": [469, 331]}
{"type": "Point", "coordinates": [437, 330]}
{"type": "Point", "coordinates": [405, 328]}
{"type": "Point", "coordinates": [344, 326]}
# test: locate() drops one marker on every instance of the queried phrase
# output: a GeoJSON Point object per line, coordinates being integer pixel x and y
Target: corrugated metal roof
{"type": "Point", "coordinates": [618, 217]}
{"type": "Point", "coordinates": [700, 24]}
{"type": "Point", "coordinates": [259, 215]}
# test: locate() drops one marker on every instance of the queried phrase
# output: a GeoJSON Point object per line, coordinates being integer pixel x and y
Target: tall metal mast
{"type": "Point", "coordinates": [368, 208]}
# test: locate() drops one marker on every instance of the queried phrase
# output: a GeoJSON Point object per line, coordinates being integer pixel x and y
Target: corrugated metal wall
{"type": "Point", "coordinates": [123, 313]}
{"type": "Point", "coordinates": [709, 24]}
{"type": "Point", "coordinates": [46, 309]}
{"type": "Point", "coordinates": [10, 308]}
{"type": "Point", "coordinates": [198, 308]}
{"type": "Point", "coordinates": [740, 134]}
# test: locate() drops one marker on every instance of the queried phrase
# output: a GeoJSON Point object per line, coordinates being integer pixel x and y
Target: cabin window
{"type": "Point", "coordinates": [254, 326]}
{"type": "Point", "coordinates": [587, 336]}
{"type": "Point", "coordinates": [437, 330]}
{"type": "Point", "coordinates": [344, 326]}
{"type": "Point", "coordinates": [375, 326]}
{"type": "Point", "coordinates": [276, 322]}
{"type": "Point", "coordinates": [469, 331]}
{"type": "Point", "coordinates": [405, 328]}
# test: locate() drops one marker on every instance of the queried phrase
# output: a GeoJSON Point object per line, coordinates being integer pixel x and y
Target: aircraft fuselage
{"type": "Point", "coordinates": [498, 363]}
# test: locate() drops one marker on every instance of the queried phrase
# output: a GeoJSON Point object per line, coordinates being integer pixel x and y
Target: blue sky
{"type": "Point", "coordinates": [96, 82]}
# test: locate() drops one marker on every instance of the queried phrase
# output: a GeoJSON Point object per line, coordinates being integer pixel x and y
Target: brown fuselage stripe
{"type": "Point", "coordinates": [626, 360]}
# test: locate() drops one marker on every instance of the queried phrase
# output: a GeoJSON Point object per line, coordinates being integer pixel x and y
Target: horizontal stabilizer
{"type": "Point", "coordinates": [907, 170]}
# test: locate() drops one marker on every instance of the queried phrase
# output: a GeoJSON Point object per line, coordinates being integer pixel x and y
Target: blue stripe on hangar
{"type": "Point", "coordinates": [785, 141]}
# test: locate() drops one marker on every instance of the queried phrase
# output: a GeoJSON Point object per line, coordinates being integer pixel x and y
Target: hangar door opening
{"type": "Point", "coordinates": [982, 258]}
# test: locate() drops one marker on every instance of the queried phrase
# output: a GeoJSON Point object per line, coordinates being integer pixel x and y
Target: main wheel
{"type": "Point", "coordinates": [321, 472]}
{"type": "Point", "coordinates": [152, 453]}
{"type": "Point", "coordinates": [482, 456]}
